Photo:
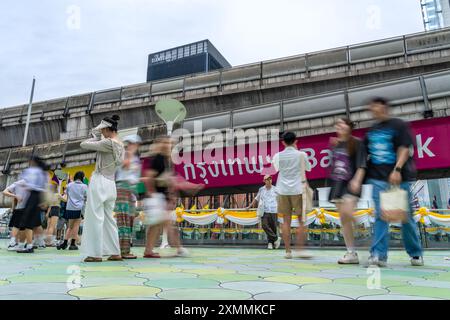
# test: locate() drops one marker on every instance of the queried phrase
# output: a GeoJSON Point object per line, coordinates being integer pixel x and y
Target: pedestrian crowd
{"type": "Point", "coordinates": [106, 208]}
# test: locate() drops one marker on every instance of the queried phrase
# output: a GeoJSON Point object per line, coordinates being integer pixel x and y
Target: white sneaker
{"type": "Point", "coordinates": [349, 258]}
{"type": "Point", "coordinates": [288, 255]}
{"type": "Point", "coordinates": [278, 243]}
{"type": "Point", "coordinates": [182, 252]}
{"type": "Point", "coordinates": [375, 262]}
{"type": "Point", "coordinates": [270, 246]}
{"type": "Point", "coordinates": [13, 247]}
{"type": "Point", "coordinates": [417, 262]}
{"type": "Point", "coordinates": [303, 255]}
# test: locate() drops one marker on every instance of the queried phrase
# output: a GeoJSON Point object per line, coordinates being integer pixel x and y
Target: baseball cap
{"type": "Point", "coordinates": [134, 138]}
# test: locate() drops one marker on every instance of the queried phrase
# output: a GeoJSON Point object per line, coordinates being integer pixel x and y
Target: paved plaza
{"type": "Point", "coordinates": [219, 274]}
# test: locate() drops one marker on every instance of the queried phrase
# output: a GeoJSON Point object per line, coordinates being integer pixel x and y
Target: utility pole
{"type": "Point", "coordinates": [27, 126]}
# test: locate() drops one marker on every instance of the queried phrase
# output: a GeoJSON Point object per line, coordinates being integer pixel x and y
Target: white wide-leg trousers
{"type": "Point", "coordinates": [100, 233]}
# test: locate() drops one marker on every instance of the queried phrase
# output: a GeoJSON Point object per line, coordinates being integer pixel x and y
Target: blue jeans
{"type": "Point", "coordinates": [410, 232]}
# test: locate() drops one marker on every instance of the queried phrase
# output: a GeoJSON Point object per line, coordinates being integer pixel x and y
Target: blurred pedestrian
{"type": "Point", "coordinates": [127, 179]}
{"type": "Point", "coordinates": [390, 163]}
{"type": "Point", "coordinates": [159, 179]}
{"type": "Point", "coordinates": [36, 179]}
{"type": "Point", "coordinates": [349, 161]}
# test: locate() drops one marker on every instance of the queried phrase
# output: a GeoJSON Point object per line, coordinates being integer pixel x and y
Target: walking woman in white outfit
{"type": "Point", "coordinates": [100, 234]}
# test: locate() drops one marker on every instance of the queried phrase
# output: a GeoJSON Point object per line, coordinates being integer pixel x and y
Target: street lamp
{"type": "Point", "coordinates": [171, 111]}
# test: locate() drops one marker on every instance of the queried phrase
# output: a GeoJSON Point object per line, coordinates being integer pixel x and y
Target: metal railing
{"type": "Point", "coordinates": [226, 79]}
{"type": "Point", "coordinates": [421, 89]}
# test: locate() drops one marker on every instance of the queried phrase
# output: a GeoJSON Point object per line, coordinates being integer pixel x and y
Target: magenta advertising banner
{"type": "Point", "coordinates": [247, 164]}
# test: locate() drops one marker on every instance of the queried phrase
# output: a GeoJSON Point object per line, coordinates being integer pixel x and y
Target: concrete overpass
{"type": "Point", "coordinates": [303, 93]}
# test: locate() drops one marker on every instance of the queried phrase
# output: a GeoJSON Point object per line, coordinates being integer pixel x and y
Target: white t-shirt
{"type": "Point", "coordinates": [289, 163]}
{"type": "Point", "coordinates": [19, 189]}
{"type": "Point", "coordinates": [76, 195]}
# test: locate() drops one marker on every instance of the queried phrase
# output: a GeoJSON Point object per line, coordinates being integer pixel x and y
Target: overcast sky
{"type": "Point", "coordinates": [80, 46]}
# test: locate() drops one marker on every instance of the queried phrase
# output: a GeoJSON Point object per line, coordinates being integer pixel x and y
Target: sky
{"type": "Point", "coordinates": [79, 46]}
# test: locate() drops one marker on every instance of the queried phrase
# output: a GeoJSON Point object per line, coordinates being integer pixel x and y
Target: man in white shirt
{"type": "Point", "coordinates": [268, 196]}
{"type": "Point", "coordinates": [290, 163]}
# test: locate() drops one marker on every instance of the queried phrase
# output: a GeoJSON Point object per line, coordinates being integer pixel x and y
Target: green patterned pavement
{"type": "Point", "coordinates": [219, 274]}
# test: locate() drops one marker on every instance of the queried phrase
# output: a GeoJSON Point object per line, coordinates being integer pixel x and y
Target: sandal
{"type": "Point", "coordinates": [91, 259]}
{"type": "Point", "coordinates": [152, 256]}
{"type": "Point", "coordinates": [129, 256]}
{"type": "Point", "coordinates": [115, 258]}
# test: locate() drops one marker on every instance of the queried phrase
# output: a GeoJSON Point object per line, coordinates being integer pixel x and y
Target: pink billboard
{"type": "Point", "coordinates": [246, 164]}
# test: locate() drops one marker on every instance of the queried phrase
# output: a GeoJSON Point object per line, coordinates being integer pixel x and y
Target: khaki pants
{"type": "Point", "coordinates": [290, 205]}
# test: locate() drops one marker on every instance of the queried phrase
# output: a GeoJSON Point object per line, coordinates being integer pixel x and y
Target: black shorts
{"type": "Point", "coordinates": [54, 212]}
{"type": "Point", "coordinates": [72, 214]}
{"type": "Point", "coordinates": [339, 189]}
{"type": "Point", "coordinates": [16, 218]}
{"type": "Point", "coordinates": [31, 217]}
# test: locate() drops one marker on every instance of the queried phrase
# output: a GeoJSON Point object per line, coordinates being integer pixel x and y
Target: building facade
{"type": "Point", "coordinates": [436, 14]}
{"type": "Point", "coordinates": [198, 57]}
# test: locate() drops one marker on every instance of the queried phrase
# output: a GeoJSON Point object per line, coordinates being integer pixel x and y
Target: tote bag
{"type": "Point", "coordinates": [394, 205]}
{"type": "Point", "coordinates": [308, 193]}
{"type": "Point", "coordinates": [155, 211]}
{"type": "Point", "coordinates": [260, 210]}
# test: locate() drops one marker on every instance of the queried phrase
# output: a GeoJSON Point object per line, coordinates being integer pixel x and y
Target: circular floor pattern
{"type": "Point", "coordinates": [256, 287]}
{"type": "Point", "coordinates": [35, 289]}
{"type": "Point", "coordinates": [100, 267]}
{"type": "Point", "coordinates": [204, 294]}
{"type": "Point", "coordinates": [161, 269]}
{"type": "Point", "coordinates": [394, 297]}
{"type": "Point", "coordinates": [109, 274]}
{"type": "Point", "coordinates": [97, 281]}
{"type": "Point", "coordinates": [407, 274]}
{"type": "Point", "coordinates": [298, 280]}
{"type": "Point", "coordinates": [328, 275]}
{"type": "Point", "coordinates": [209, 271]}
{"type": "Point", "coordinates": [195, 266]}
{"type": "Point", "coordinates": [384, 283]}
{"type": "Point", "coordinates": [42, 296]}
{"type": "Point", "coordinates": [115, 291]}
{"type": "Point", "coordinates": [264, 274]}
{"type": "Point", "coordinates": [439, 277]}
{"type": "Point", "coordinates": [183, 283]}
{"type": "Point", "coordinates": [345, 290]}
{"type": "Point", "coordinates": [32, 277]}
{"type": "Point", "coordinates": [298, 295]}
{"type": "Point", "coordinates": [39, 278]}
{"type": "Point", "coordinates": [57, 272]}
{"type": "Point", "coordinates": [242, 267]}
{"type": "Point", "coordinates": [229, 277]}
{"type": "Point", "coordinates": [440, 293]}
